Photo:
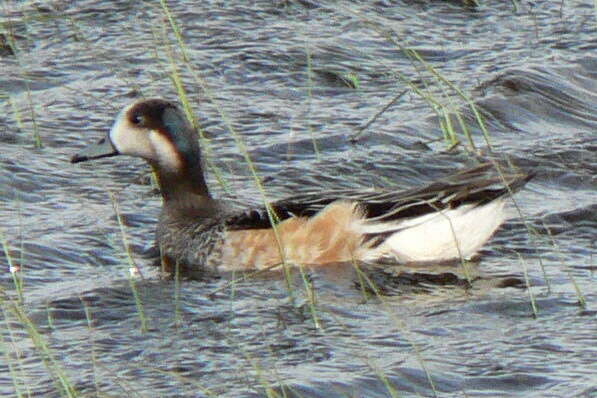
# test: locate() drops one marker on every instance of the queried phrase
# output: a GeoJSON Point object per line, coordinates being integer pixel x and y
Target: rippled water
{"type": "Point", "coordinates": [277, 70]}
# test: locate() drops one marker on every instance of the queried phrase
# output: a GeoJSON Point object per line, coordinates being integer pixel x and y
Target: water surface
{"type": "Point", "coordinates": [277, 71]}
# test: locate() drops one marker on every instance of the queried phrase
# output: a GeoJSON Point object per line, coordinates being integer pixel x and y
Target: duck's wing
{"type": "Point", "coordinates": [477, 186]}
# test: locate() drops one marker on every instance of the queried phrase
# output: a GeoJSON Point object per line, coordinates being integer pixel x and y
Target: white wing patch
{"type": "Point", "coordinates": [441, 236]}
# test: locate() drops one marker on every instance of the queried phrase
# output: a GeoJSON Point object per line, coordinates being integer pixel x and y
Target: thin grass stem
{"type": "Point", "coordinates": [14, 269]}
{"type": "Point", "coordinates": [354, 137]}
{"type": "Point", "coordinates": [133, 268]}
{"type": "Point", "coordinates": [11, 367]}
{"type": "Point", "coordinates": [273, 218]}
{"type": "Point", "coordinates": [528, 284]}
{"type": "Point", "coordinates": [311, 297]}
{"type": "Point", "coordinates": [183, 98]}
{"type": "Point", "coordinates": [401, 325]}
{"type": "Point", "coordinates": [582, 302]}
{"type": "Point", "coordinates": [91, 330]}
{"type": "Point", "coordinates": [177, 313]}
{"type": "Point", "coordinates": [63, 384]}
{"type": "Point", "coordinates": [310, 100]}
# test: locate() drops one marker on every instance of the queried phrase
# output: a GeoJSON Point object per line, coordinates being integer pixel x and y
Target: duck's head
{"type": "Point", "coordinates": [157, 131]}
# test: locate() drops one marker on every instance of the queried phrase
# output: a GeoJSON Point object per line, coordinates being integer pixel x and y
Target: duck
{"type": "Point", "coordinates": [446, 220]}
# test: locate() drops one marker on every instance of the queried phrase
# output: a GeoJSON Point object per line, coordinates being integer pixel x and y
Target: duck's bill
{"type": "Point", "coordinates": [102, 149]}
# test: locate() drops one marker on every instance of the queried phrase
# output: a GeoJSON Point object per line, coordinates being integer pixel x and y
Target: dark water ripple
{"type": "Point", "coordinates": [532, 74]}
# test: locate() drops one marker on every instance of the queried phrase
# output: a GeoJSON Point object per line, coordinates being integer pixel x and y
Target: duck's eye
{"type": "Point", "coordinates": [137, 119]}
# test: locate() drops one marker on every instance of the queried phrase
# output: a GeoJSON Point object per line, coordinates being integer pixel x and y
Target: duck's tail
{"type": "Point", "coordinates": [444, 221]}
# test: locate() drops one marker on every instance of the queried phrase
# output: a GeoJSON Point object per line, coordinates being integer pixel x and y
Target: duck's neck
{"type": "Point", "coordinates": [185, 192]}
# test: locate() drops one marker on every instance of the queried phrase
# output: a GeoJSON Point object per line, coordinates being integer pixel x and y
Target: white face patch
{"type": "Point", "coordinates": [129, 139]}
{"type": "Point", "coordinates": [166, 154]}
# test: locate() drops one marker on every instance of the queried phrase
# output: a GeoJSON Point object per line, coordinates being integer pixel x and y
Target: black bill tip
{"type": "Point", "coordinates": [78, 158]}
